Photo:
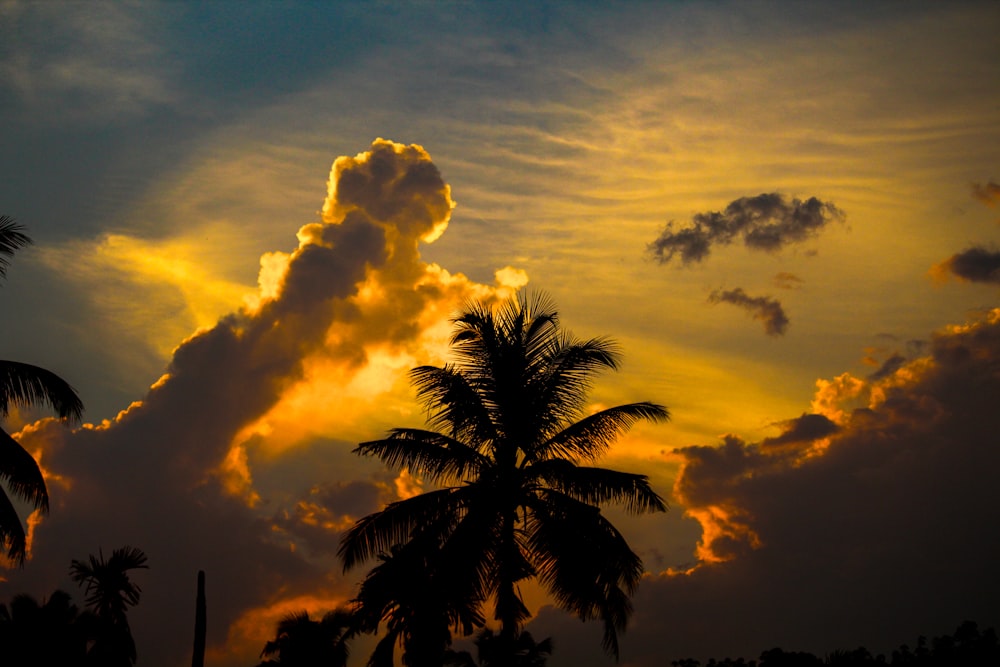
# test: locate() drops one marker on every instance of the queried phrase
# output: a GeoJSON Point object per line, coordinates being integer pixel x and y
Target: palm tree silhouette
{"type": "Point", "coordinates": [22, 385]}
{"type": "Point", "coordinates": [507, 441]}
{"type": "Point", "coordinates": [492, 651]}
{"type": "Point", "coordinates": [110, 593]}
{"type": "Point", "coordinates": [304, 642]}
{"type": "Point", "coordinates": [419, 604]}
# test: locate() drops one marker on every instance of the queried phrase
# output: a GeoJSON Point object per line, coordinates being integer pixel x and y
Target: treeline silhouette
{"type": "Point", "coordinates": [54, 631]}
{"type": "Point", "coordinates": [966, 647]}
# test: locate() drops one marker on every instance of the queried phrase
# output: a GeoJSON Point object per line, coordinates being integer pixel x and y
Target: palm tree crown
{"type": "Point", "coordinates": [508, 443]}
{"type": "Point", "coordinates": [110, 592]}
{"type": "Point", "coordinates": [301, 641]}
{"type": "Point", "coordinates": [23, 385]}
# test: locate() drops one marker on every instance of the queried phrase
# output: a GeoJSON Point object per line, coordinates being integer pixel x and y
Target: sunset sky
{"type": "Point", "coordinates": [787, 215]}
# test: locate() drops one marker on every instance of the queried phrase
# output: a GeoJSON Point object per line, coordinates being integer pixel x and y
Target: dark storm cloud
{"type": "Point", "coordinates": [988, 194]}
{"type": "Point", "coordinates": [805, 429]}
{"type": "Point", "coordinates": [766, 222]}
{"type": "Point", "coordinates": [888, 367]}
{"type": "Point", "coordinates": [977, 265]}
{"type": "Point", "coordinates": [884, 529]}
{"type": "Point", "coordinates": [763, 308]}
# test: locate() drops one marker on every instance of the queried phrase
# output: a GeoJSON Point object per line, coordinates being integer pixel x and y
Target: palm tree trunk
{"type": "Point", "coordinates": [200, 624]}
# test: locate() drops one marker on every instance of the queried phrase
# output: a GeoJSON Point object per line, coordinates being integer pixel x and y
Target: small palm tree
{"type": "Point", "coordinates": [110, 593]}
{"type": "Point", "coordinates": [419, 604]}
{"type": "Point", "coordinates": [492, 651]}
{"type": "Point", "coordinates": [301, 641]}
{"type": "Point", "coordinates": [508, 444]}
{"type": "Point", "coordinates": [22, 385]}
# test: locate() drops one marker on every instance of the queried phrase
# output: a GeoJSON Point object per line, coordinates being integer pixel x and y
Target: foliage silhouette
{"type": "Point", "coordinates": [507, 441]}
{"type": "Point", "coordinates": [53, 632]}
{"type": "Point", "coordinates": [419, 604]}
{"type": "Point", "coordinates": [304, 642]}
{"type": "Point", "coordinates": [492, 650]}
{"type": "Point", "coordinates": [967, 647]}
{"type": "Point", "coordinates": [110, 593]}
{"type": "Point", "coordinates": [22, 385]}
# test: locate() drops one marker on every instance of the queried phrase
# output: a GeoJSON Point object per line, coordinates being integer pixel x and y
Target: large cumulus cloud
{"type": "Point", "coordinates": [868, 520]}
{"type": "Point", "coordinates": [193, 472]}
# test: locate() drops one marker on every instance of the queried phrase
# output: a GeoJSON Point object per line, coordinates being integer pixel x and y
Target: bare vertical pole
{"type": "Point", "coordinates": [200, 623]}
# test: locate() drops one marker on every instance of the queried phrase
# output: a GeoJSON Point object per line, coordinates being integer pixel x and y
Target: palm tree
{"type": "Point", "coordinates": [22, 385]}
{"type": "Point", "coordinates": [419, 604]}
{"type": "Point", "coordinates": [304, 642]}
{"type": "Point", "coordinates": [507, 443]}
{"type": "Point", "coordinates": [110, 593]}
{"type": "Point", "coordinates": [493, 652]}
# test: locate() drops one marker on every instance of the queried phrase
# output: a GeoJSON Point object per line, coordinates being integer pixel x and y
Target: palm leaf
{"type": "Point", "coordinates": [431, 455]}
{"type": "Point", "coordinates": [11, 531]}
{"type": "Point", "coordinates": [24, 384]}
{"type": "Point", "coordinates": [12, 239]}
{"type": "Point", "coordinates": [592, 436]}
{"type": "Point", "coordinates": [597, 586]}
{"type": "Point", "coordinates": [20, 471]}
{"type": "Point", "coordinates": [378, 532]}
{"type": "Point", "coordinates": [599, 486]}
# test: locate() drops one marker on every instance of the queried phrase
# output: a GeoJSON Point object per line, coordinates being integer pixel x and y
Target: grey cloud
{"type": "Point", "coordinates": [769, 311]}
{"type": "Point", "coordinates": [766, 222]}
{"type": "Point", "coordinates": [805, 429]}
{"type": "Point", "coordinates": [888, 367]}
{"type": "Point", "coordinates": [786, 280]}
{"type": "Point", "coordinates": [988, 194]}
{"type": "Point", "coordinates": [977, 264]}
{"type": "Point", "coordinates": [887, 532]}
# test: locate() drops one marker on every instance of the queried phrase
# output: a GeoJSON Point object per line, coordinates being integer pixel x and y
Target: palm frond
{"type": "Point", "coordinates": [433, 456]}
{"type": "Point", "coordinates": [20, 471]}
{"type": "Point", "coordinates": [11, 531]}
{"type": "Point", "coordinates": [12, 239]}
{"type": "Point", "coordinates": [23, 384]}
{"type": "Point", "coordinates": [452, 403]}
{"type": "Point", "coordinates": [597, 586]}
{"type": "Point", "coordinates": [599, 486]}
{"type": "Point", "coordinates": [378, 532]}
{"type": "Point", "coordinates": [590, 438]}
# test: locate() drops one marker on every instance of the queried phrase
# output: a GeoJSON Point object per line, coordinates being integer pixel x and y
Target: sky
{"type": "Point", "coordinates": [252, 219]}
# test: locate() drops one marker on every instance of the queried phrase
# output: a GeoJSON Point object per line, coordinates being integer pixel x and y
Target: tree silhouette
{"type": "Point", "coordinates": [507, 442]}
{"type": "Point", "coordinates": [304, 642]}
{"type": "Point", "coordinates": [110, 593]}
{"type": "Point", "coordinates": [22, 385]}
{"type": "Point", "coordinates": [419, 604]}
{"type": "Point", "coordinates": [492, 651]}
{"type": "Point", "coordinates": [52, 632]}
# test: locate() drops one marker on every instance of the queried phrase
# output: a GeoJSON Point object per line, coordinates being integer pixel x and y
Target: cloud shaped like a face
{"type": "Point", "coordinates": [763, 308]}
{"type": "Point", "coordinates": [862, 523]}
{"type": "Point", "coordinates": [345, 314]}
{"type": "Point", "coordinates": [766, 222]}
